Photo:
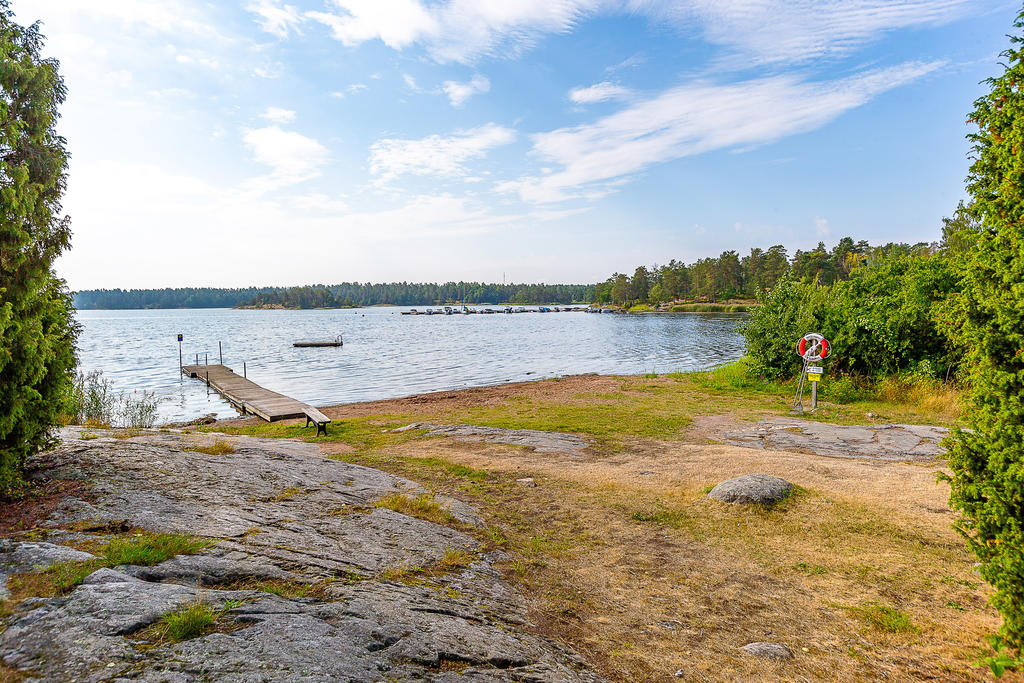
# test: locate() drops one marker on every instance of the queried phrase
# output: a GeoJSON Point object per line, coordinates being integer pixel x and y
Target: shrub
{"type": "Point", "coordinates": [882, 320]}
{"type": "Point", "coordinates": [987, 462]}
{"type": "Point", "coordinates": [37, 329]}
{"type": "Point", "coordinates": [91, 400]}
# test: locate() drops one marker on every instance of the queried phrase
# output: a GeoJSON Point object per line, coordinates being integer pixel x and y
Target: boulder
{"type": "Point", "coordinates": [752, 489]}
{"type": "Point", "coordinates": [776, 651]}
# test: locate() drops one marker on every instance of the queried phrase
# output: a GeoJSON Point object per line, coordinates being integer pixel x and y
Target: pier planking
{"type": "Point", "coordinates": [246, 395]}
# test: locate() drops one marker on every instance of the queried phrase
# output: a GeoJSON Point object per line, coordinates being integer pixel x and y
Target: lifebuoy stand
{"type": "Point", "coordinates": [812, 349]}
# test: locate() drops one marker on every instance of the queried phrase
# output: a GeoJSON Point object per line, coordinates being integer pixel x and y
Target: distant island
{"type": "Point", "coordinates": [344, 295]}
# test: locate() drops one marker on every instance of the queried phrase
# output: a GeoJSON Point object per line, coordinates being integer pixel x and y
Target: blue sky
{"type": "Point", "coordinates": [296, 142]}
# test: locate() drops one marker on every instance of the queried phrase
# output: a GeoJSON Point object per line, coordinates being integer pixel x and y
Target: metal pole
{"type": "Point", "coordinates": [244, 372]}
{"type": "Point", "coordinates": [814, 395]}
{"type": "Point", "coordinates": [197, 359]}
{"type": "Point", "coordinates": [179, 358]}
{"type": "Point", "coordinates": [220, 349]}
{"type": "Point", "coordinates": [206, 358]}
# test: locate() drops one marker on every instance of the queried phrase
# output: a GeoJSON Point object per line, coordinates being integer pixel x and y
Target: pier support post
{"type": "Point", "coordinates": [245, 373]}
{"type": "Point", "coordinates": [220, 350]}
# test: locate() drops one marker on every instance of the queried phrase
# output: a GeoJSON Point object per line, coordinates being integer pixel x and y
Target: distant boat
{"type": "Point", "coordinates": [334, 342]}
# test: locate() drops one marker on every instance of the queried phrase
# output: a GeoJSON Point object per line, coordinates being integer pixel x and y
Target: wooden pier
{"type": "Point", "coordinates": [249, 397]}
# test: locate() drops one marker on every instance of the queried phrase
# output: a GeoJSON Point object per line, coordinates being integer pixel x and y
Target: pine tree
{"type": "Point", "coordinates": [987, 462]}
{"type": "Point", "coordinates": [37, 331]}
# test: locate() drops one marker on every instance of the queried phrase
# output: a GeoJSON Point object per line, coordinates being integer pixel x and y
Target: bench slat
{"type": "Point", "coordinates": [315, 415]}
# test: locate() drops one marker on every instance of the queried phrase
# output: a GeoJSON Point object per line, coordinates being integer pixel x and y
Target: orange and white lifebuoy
{"type": "Point", "coordinates": [813, 346]}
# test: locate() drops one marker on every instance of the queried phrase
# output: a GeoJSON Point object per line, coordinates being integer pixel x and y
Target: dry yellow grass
{"type": "Point", "coordinates": [625, 558]}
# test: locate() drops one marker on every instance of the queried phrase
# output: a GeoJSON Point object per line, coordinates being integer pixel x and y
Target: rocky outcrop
{"type": "Point", "coordinates": [282, 513]}
{"type": "Point", "coordinates": [752, 489]}
{"type": "Point", "coordinates": [877, 442]}
{"type": "Point", "coordinates": [543, 442]}
{"type": "Point", "coordinates": [27, 557]}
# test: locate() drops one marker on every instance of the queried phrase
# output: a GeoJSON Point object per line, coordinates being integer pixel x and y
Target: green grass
{"type": "Point", "coordinates": [143, 549]}
{"type": "Point", "coordinates": [191, 621]}
{"type": "Point", "coordinates": [146, 549]}
{"type": "Point", "coordinates": [645, 406]}
{"type": "Point", "coordinates": [883, 618]}
{"type": "Point", "coordinates": [422, 506]}
{"type": "Point", "coordinates": [218, 447]}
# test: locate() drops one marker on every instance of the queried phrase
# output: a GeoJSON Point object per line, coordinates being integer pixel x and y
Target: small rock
{"type": "Point", "coordinates": [679, 674]}
{"type": "Point", "coordinates": [767, 650]}
{"type": "Point", "coordinates": [527, 481]}
{"type": "Point", "coordinates": [752, 489]}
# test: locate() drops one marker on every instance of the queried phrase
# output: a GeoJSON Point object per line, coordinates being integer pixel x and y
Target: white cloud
{"type": "Point", "coordinates": [458, 30]}
{"type": "Point", "coordinates": [278, 115]}
{"type": "Point", "coordinates": [765, 31]}
{"type": "Point", "coordinates": [275, 17]}
{"type": "Point", "coordinates": [435, 155]}
{"type": "Point", "coordinates": [599, 92]}
{"type": "Point", "coordinates": [693, 119]}
{"type": "Point", "coordinates": [293, 157]}
{"type": "Point", "coordinates": [459, 92]}
{"type": "Point", "coordinates": [398, 23]}
{"type": "Point", "coordinates": [349, 90]}
{"type": "Point", "coordinates": [777, 31]}
{"type": "Point", "coordinates": [821, 227]}
{"type": "Point", "coordinates": [410, 82]}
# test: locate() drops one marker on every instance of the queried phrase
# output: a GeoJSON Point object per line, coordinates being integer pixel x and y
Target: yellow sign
{"type": "Point", "coordinates": [814, 378]}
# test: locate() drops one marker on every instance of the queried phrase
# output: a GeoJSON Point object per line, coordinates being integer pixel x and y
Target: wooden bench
{"type": "Point", "coordinates": [319, 419]}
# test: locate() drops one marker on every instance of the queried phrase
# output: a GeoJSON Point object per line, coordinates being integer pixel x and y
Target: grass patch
{"type": "Point", "coordinates": [452, 560]}
{"type": "Point", "coordinates": [218, 447]}
{"type": "Point", "coordinates": [882, 617]}
{"type": "Point", "coordinates": [675, 519]}
{"type": "Point", "coordinates": [402, 574]}
{"type": "Point", "coordinates": [422, 506]}
{"type": "Point", "coordinates": [57, 579]}
{"type": "Point", "coordinates": [193, 620]}
{"type": "Point", "coordinates": [143, 549]}
{"type": "Point", "coordinates": [146, 549]}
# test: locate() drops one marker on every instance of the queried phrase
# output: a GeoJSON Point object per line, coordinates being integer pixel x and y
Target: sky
{"type": "Point", "coordinates": [283, 142]}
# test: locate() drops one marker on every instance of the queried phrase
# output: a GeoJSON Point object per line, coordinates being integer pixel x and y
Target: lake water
{"type": "Point", "coordinates": [388, 355]}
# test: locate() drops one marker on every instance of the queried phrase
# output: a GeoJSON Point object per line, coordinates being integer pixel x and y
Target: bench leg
{"type": "Point", "coordinates": [307, 422]}
{"type": "Point", "coordinates": [321, 428]}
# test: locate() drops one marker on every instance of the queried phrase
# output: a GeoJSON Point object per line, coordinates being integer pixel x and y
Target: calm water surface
{"type": "Point", "coordinates": [387, 355]}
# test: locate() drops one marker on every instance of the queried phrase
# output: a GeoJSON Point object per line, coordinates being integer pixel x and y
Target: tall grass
{"type": "Point", "coordinates": [93, 401]}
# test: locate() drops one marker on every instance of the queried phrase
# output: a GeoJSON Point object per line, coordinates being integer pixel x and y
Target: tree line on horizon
{"type": "Point", "coordinates": [334, 296]}
{"type": "Point", "coordinates": [729, 276]}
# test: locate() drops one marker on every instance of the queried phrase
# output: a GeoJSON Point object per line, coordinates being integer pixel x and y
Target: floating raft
{"type": "Point", "coordinates": [331, 342]}
{"type": "Point", "coordinates": [318, 343]}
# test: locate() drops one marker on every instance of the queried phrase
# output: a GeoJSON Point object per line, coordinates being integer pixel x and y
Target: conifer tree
{"type": "Point", "coordinates": [987, 462]}
{"type": "Point", "coordinates": [37, 331]}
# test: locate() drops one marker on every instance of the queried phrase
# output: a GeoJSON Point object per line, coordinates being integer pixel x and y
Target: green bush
{"type": "Point", "coordinates": [987, 462]}
{"type": "Point", "coordinates": [841, 389]}
{"type": "Point", "coordinates": [91, 400]}
{"type": "Point", "coordinates": [883, 320]}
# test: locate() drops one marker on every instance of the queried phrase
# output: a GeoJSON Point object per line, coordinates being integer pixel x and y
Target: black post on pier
{"type": "Point", "coordinates": [206, 358]}
{"type": "Point", "coordinates": [220, 350]}
{"type": "Point", "coordinates": [245, 374]}
{"type": "Point", "coordinates": [180, 338]}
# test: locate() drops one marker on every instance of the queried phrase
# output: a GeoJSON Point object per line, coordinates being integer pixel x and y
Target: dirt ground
{"type": "Point", "coordinates": [623, 556]}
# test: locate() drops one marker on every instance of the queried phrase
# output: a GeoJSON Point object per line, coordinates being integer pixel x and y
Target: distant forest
{"type": "Point", "coordinates": [334, 296]}
{"type": "Point", "coordinates": [730, 276]}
